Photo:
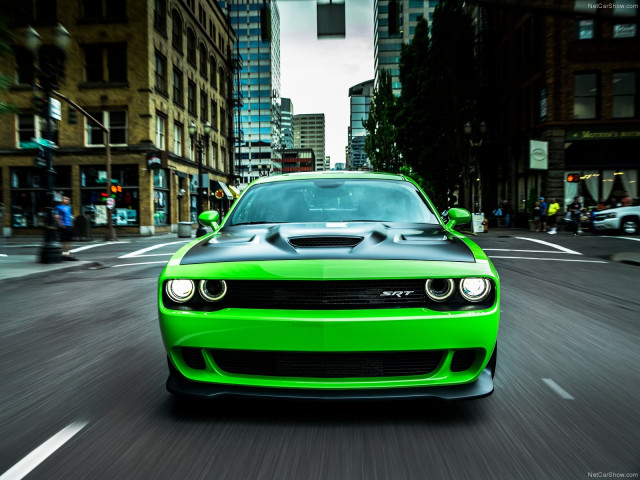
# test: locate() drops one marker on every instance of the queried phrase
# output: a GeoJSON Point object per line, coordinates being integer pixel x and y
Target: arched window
{"type": "Point", "coordinates": [176, 30]}
{"type": "Point", "coordinates": [213, 68]}
{"type": "Point", "coordinates": [221, 80]}
{"type": "Point", "coordinates": [191, 47]}
{"type": "Point", "coordinates": [203, 60]}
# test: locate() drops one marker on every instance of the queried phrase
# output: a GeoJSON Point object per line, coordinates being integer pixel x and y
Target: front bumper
{"type": "Point", "coordinates": [607, 224]}
{"type": "Point", "coordinates": [179, 385]}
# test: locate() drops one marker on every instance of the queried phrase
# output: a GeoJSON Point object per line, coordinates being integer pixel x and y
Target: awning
{"type": "Point", "coordinates": [234, 191]}
{"type": "Point", "coordinates": [216, 185]}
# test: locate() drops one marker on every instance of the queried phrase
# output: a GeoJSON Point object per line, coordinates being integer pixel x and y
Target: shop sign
{"type": "Point", "coordinates": [155, 161]}
{"type": "Point", "coordinates": [601, 134]}
{"type": "Point", "coordinates": [538, 155]}
{"type": "Point", "coordinates": [219, 194]}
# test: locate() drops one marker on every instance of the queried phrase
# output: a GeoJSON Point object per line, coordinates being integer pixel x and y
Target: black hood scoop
{"type": "Point", "coordinates": [320, 241]}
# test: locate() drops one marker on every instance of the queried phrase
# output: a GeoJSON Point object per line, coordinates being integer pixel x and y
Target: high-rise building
{"type": "Point", "coordinates": [286, 124]}
{"type": "Point", "coordinates": [257, 86]}
{"type": "Point", "coordinates": [394, 24]}
{"type": "Point", "coordinates": [309, 132]}
{"type": "Point", "coordinates": [359, 101]}
{"type": "Point", "coordinates": [145, 69]}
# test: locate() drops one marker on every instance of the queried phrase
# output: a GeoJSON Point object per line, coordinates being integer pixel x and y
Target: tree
{"type": "Point", "coordinates": [380, 143]}
{"type": "Point", "coordinates": [439, 84]}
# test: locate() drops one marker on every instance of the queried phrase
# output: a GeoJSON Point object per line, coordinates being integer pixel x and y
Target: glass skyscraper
{"type": "Point", "coordinates": [395, 22]}
{"type": "Point", "coordinates": [360, 101]}
{"type": "Point", "coordinates": [256, 87]}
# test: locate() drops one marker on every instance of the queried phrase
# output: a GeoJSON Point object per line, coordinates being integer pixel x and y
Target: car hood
{"type": "Point", "coordinates": [362, 241]}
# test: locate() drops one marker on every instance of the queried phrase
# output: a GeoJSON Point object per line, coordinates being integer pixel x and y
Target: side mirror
{"type": "Point", "coordinates": [458, 216]}
{"type": "Point", "coordinates": [209, 218]}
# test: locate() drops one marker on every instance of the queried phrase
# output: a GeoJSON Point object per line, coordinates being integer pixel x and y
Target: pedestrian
{"type": "Point", "coordinates": [554, 207]}
{"type": "Point", "coordinates": [64, 219]}
{"type": "Point", "coordinates": [536, 215]}
{"type": "Point", "coordinates": [544, 212]}
{"type": "Point", "coordinates": [575, 208]}
{"type": "Point", "coordinates": [507, 211]}
{"type": "Point", "coordinates": [626, 200]}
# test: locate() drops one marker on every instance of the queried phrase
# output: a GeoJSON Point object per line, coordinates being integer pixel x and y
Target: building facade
{"type": "Point", "coordinates": [146, 70]}
{"type": "Point", "coordinates": [394, 24]}
{"type": "Point", "coordinates": [298, 160]}
{"type": "Point", "coordinates": [309, 132]}
{"type": "Point", "coordinates": [257, 25]}
{"type": "Point", "coordinates": [571, 105]}
{"type": "Point", "coordinates": [359, 104]}
{"type": "Point", "coordinates": [286, 132]}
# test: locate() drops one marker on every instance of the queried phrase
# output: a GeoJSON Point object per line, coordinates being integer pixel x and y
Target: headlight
{"type": "Point", "coordinates": [439, 289]}
{"type": "Point", "coordinates": [212, 290]}
{"type": "Point", "coordinates": [180, 291]}
{"type": "Point", "coordinates": [475, 289]}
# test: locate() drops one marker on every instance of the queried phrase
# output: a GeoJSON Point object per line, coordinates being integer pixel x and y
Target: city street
{"type": "Point", "coordinates": [82, 373]}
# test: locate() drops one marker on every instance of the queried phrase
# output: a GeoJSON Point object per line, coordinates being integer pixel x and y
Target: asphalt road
{"type": "Point", "coordinates": [82, 372]}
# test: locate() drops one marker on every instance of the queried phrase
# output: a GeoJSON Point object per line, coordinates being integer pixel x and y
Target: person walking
{"type": "Point", "coordinates": [64, 219]}
{"type": "Point", "coordinates": [554, 207]}
{"type": "Point", "coordinates": [575, 208]}
{"type": "Point", "coordinates": [544, 210]}
{"type": "Point", "coordinates": [536, 215]}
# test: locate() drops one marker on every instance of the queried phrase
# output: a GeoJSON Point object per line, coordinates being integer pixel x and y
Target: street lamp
{"type": "Point", "coordinates": [49, 71]}
{"type": "Point", "coordinates": [199, 141]}
{"type": "Point", "coordinates": [264, 170]}
{"type": "Point", "coordinates": [476, 137]}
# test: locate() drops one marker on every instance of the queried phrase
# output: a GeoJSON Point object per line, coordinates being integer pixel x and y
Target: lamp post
{"type": "Point", "coordinates": [476, 137]}
{"type": "Point", "coordinates": [264, 170]}
{"type": "Point", "coordinates": [49, 71]}
{"type": "Point", "coordinates": [199, 141]}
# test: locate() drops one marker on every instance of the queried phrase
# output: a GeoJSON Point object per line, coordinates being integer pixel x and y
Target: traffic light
{"type": "Point", "coordinates": [41, 106]}
{"type": "Point", "coordinates": [72, 119]}
{"type": "Point", "coordinates": [116, 188]}
{"type": "Point", "coordinates": [573, 177]}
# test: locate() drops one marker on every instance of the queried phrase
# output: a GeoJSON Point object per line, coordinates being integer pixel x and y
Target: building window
{"type": "Point", "coordinates": [93, 182]}
{"type": "Point", "coordinates": [191, 47]}
{"type": "Point", "coordinates": [178, 86]}
{"type": "Point", "coordinates": [203, 60]}
{"type": "Point", "coordinates": [115, 120]}
{"type": "Point", "coordinates": [29, 194]}
{"type": "Point", "coordinates": [177, 139]}
{"type": "Point", "coordinates": [625, 9]}
{"type": "Point", "coordinates": [160, 66]}
{"type": "Point", "coordinates": [624, 95]}
{"type": "Point", "coordinates": [223, 122]}
{"type": "Point", "coordinates": [176, 30]}
{"type": "Point", "coordinates": [105, 62]}
{"type": "Point", "coordinates": [31, 126]}
{"type": "Point", "coordinates": [104, 10]}
{"type": "Point", "coordinates": [213, 67]}
{"type": "Point", "coordinates": [204, 105]}
{"type": "Point", "coordinates": [585, 96]}
{"type": "Point", "coordinates": [214, 151]}
{"type": "Point", "coordinates": [221, 80]}
{"type": "Point", "coordinates": [160, 197]}
{"type": "Point", "coordinates": [191, 98]}
{"type": "Point", "coordinates": [161, 126]}
{"type": "Point", "coordinates": [24, 65]}
{"type": "Point", "coordinates": [214, 115]}
{"type": "Point", "coordinates": [160, 16]}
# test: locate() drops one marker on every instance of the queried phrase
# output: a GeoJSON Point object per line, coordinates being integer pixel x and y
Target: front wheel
{"type": "Point", "coordinates": [630, 226]}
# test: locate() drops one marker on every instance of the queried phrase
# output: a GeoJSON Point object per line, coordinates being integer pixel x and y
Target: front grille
{"type": "Point", "coordinates": [319, 242]}
{"type": "Point", "coordinates": [327, 364]}
{"type": "Point", "coordinates": [193, 358]}
{"type": "Point", "coordinates": [462, 360]}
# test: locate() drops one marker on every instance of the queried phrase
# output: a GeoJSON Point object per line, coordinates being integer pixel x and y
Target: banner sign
{"type": "Point", "coordinates": [538, 155]}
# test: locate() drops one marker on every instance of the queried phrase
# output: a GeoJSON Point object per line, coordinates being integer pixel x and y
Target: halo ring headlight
{"type": "Point", "coordinates": [212, 290]}
{"type": "Point", "coordinates": [180, 290]}
{"type": "Point", "coordinates": [475, 289]}
{"type": "Point", "coordinates": [439, 289]}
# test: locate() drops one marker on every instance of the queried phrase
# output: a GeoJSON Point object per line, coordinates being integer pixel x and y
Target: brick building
{"type": "Point", "coordinates": [145, 69]}
{"type": "Point", "coordinates": [566, 76]}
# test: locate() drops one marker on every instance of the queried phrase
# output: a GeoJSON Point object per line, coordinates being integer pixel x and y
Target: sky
{"type": "Point", "coordinates": [317, 74]}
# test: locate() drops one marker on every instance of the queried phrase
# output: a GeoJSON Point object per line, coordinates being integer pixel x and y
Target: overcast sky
{"type": "Point", "coordinates": [317, 74]}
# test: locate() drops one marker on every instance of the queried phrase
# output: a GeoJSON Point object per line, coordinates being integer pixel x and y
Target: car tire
{"type": "Point", "coordinates": [629, 225]}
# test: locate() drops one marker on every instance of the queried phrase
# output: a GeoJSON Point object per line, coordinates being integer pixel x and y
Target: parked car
{"type": "Point", "coordinates": [331, 285]}
{"type": "Point", "coordinates": [624, 219]}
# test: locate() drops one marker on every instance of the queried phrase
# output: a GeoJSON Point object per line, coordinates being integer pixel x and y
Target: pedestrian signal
{"type": "Point", "coordinates": [573, 178]}
{"type": "Point", "coordinates": [116, 188]}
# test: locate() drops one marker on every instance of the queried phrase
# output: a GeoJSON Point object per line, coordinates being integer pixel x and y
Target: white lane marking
{"type": "Point", "coordinates": [553, 245]}
{"type": "Point", "coordinates": [3, 255]}
{"type": "Point", "coordinates": [44, 451]}
{"type": "Point", "coordinates": [626, 238]}
{"type": "Point", "coordinates": [558, 389]}
{"type": "Point", "coordinates": [138, 253]}
{"type": "Point", "coordinates": [87, 247]}
{"type": "Point", "coordinates": [550, 259]}
{"type": "Point", "coordinates": [131, 264]}
{"type": "Point", "coordinates": [522, 251]}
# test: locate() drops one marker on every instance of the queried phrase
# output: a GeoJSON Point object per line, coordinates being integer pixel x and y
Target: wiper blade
{"type": "Point", "coordinates": [255, 223]}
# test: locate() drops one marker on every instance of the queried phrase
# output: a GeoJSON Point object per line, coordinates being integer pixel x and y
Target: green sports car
{"type": "Point", "coordinates": [331, 285]}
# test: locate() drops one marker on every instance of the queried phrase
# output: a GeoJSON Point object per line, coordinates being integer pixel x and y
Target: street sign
{"type": "Point", "coordinates": [111, 202]}
{"type": "Point", "coordinates": [43, 142]}
{"type": "Point", "coordinates": [55, 109]}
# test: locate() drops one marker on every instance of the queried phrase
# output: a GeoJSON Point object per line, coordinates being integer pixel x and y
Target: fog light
{"type": "Point", "coordinates": [475, 289]}
{"type": "Point", "coordinates": [180, 291]}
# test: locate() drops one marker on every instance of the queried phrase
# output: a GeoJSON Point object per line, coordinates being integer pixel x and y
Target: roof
{"type": "Point", "coordinates": [332, 174]}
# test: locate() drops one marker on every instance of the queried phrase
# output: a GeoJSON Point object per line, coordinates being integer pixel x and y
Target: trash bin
{"type": "Point", "coordinates": [82, 227]}
{"type": "Point", "coordinates": [185, 229]}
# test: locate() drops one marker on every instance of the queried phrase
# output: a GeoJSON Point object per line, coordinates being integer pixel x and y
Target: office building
{"type": "Point", "coordinates": [309, 132]}
{"type": "Point", "coordinates": [286, 125]}
{"type": "Point", "coordinates": [359, 103]}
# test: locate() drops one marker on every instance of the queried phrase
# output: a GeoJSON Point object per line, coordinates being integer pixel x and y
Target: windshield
{"type": "Point", "coordinates": [332, 200]}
